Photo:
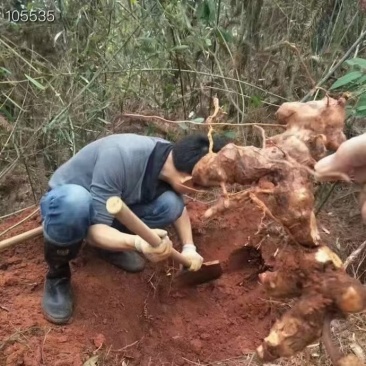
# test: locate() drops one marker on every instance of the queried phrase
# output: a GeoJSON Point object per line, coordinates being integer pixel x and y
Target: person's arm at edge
{"type": "Point", "coordinates": [106, 237]}
{"type": "Point", "coordinates": [184, 228]}
{"type": "Point", "coordinates": [184, 231]}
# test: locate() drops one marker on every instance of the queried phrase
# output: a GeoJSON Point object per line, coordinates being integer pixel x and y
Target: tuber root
{"type": "Point", "coordinates": [298, 327]}
{"type": "Point", "coordinates": [279, 177]}
{"type": "Point", "coordinates": [324, 116]}
{"type": "Point", "coordinates": [284, 161]}
{"type": "Point", "coordinates": [303, 323]}
{"type": "Point", "coordinates": [348, 294]}
{"type": "Point", "coordinates": [291, 200]}
{"type": "Point", "coordinates": [281, 284]}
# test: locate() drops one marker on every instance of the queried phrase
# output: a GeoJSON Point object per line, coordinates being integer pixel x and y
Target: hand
{"type": "Point", "coordinates": [189, 251]}
{"type": "Point", "coordinates": [159, 253]}
{"type": "Point", "coordinates": [349, 159]}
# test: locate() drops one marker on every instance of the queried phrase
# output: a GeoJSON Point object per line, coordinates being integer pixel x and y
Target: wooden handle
{"type": "Point", "coordinates": [30, 234]}
{"type": "Point", "coordinates": [117, 208]}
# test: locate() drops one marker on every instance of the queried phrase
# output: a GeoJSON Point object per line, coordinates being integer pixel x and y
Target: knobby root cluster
{"type": "Point", "coordinates": [279, 180]}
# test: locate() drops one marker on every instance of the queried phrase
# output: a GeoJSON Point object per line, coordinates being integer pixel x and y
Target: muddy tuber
{"type": "Point", "coordinates": [283, 163]}
{"type": "Point", "coordinates": [291, 198]}
{"type": "Point", "coordinates": [324, 116]}
{"type": "Point", "coordinates": [298, 328]}
{"type": "Point", "coordinates": [279, 180]}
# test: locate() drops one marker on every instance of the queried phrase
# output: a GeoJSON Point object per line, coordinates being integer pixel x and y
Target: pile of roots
{"type": "Point", "coordinates": [280, 177]}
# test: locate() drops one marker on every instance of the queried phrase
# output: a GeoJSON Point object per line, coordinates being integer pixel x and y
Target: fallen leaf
{"type": "Point", "coordinates": [357, 349]}
{"type": "Point", "coordinates": [325, 230]}
{"type": "Point", "coordinates": [338, 244]}
{"type": "Point", "coordinates": [92, 361]}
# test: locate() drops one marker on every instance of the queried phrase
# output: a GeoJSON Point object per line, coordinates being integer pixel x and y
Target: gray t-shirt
{"type": "Point", "coordinates": [124, 165]}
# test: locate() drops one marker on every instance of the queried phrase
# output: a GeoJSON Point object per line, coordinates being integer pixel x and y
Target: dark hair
{"type": "Point", "coordinates": [190, 149]}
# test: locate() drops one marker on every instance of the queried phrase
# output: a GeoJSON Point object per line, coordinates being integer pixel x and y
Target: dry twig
{"type": "Point", "coordinates": [263, 134]}
{"type": "Point", "coordinates": [265, 209]}
{"type": "Point", "coordinates": [216, 111]}
{"type": "Point", "coordinates": [141, 116]}
{"type": "Point", "coordinates": [125, 347]}
{"type": "Point", "coordinates": [16, 212]}
{"type": "Point", "coordinates": [20, 222]}
{"type": "Point", "coordinates": [43, 343]}
{"type": "Point", "coordinates": [210, 140]}
{"type": "Point", "coordinates": [354, 255]}
{"type": "Point", "coordinates": [209, 122]}
{"type": "Point", "coordinates": [293, 47]}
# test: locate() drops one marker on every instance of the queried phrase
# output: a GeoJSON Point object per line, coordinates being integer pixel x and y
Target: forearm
{"type": "Point", "coordinates": [184, 228]}
{"type": "Point", "coordinates": [106, 237]}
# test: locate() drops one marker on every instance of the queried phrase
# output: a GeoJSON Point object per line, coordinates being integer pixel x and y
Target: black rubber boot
{"type": "Point", "coordinates": [128, 261]}
{"type": "Point", "coordinates": [57, 302]}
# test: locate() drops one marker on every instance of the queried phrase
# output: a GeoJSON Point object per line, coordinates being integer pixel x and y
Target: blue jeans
{"type": "Point", "coordinates": [67, 213]}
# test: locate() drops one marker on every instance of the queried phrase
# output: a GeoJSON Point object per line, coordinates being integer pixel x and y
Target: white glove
{"type": "Point", "coordinates": [160, 253]}
{"type": "Point", "coordinates": [189, 251]}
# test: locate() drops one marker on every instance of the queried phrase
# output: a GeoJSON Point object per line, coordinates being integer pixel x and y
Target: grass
{"type": "Point", "coordinates": [63, 83]}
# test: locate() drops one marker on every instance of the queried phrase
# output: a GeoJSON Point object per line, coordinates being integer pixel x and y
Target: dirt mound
{"type": "Point", "coordinates": [139, 317]}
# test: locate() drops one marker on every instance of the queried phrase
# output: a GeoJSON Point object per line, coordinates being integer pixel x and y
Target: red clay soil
{"type": "Point", "coordinates": [141, 318]}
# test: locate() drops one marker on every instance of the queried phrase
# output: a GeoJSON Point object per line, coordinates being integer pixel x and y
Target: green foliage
{"type": "Point", "coordinates": [230, 134]}
{"type": "Point", "coordinates": [354, 81]}
{"type": "Point", "coordinates": [357, 63]}
{"type": "Point", "coordinates": [206, 11]}
{"type": "Point", "coordinates": [256, 101]}
{"type": "Point", "coordinates": [35, 82]}
{"type": "Point", "coordinates": [198, 120]}
{"type": "Point", "coordinates": [350, 79]}
{"type": "Point", "coordinates": [179, 48]}
{"type": "Point", "coordinates": [4, 71]}
{"type": "Point", "coordinates": [63, 82]}
{"type": "Point", "coordinates": [184, 126]}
